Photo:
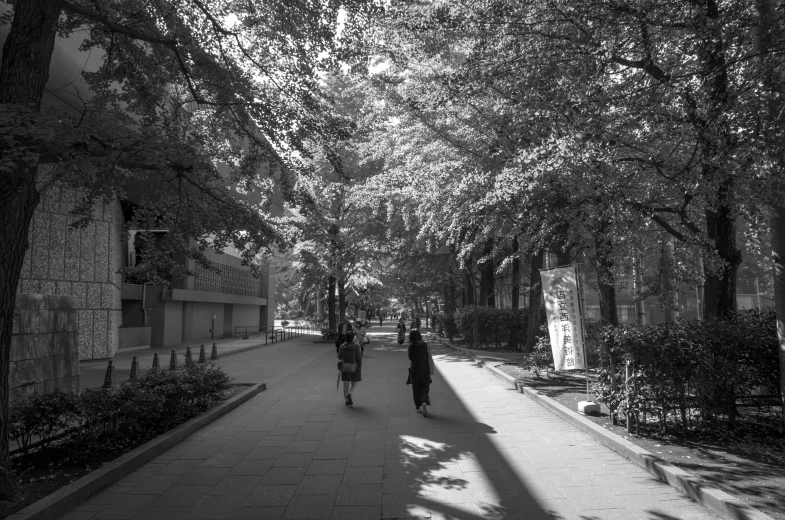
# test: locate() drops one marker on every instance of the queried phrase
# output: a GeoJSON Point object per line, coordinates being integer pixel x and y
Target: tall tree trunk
{"type": "Point", "coordinates": [720, 287]}
{"type": "Point", "coordinates": [341, 300]}
{"type": "Point", "coordinates": [715, 137]}
{"type": "Point", "coordinates": [535, 296]}
{"type": "Point", "coordinates": [774, 83]}
{"type": "Point", "coordinates": [669, 290]}
{"type": "Point", "coordinates": [488, 278]}
{"type": "Point", "coordinates": [516, 274]}
{"type": "Point", "coordinates": [777, 222]}
{"type": "Point", "coordinates": [603, 248]}
{"type": "Point", "coordinates": [24, 71]}
{"type": "Point", "coordinates": [332, 323]}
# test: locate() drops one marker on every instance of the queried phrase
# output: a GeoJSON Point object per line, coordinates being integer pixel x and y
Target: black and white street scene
{"type": "Point", "coordinates": [387, 260]}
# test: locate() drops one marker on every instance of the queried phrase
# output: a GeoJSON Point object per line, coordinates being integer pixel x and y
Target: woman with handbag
{"type": "Point", "coordinates": [420, 371]}
{"type": "Point", "coordinates": [351, 357]}
{"type": "Point", "coordinates": [362, 336]}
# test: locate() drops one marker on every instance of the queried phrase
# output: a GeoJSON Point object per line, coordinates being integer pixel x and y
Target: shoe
{"type": "Point", "coordinates": [424, 410]}
{"type": "Point", "coordinates": [426, 399]}
{"type": "Point", "coordinates": [349, 400]}
{"type": "Point", "coordinates": [418, 410]}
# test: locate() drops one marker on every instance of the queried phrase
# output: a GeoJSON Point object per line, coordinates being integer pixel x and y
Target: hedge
{"type": "Point", "coordinates": [496, 326]}
{"type": "Point", "coordinates": [679, 368]}
{"type": "Point", "coordinates": [130, 414]}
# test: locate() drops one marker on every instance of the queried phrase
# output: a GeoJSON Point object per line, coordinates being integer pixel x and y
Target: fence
{"type": "Point", "coordinates": [274, 334]}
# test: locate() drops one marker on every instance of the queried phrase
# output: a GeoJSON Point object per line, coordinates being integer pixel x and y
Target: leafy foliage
{"type": "Point", "coordinates": [126, 416]}
{"type": "Point", "coordinates": [702, 365]}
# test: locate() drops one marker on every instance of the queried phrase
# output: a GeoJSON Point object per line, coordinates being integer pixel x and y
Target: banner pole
{"type": "Point", "coordinates": [579, 277]}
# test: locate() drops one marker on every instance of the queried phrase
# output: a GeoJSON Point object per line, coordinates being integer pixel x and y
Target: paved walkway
{"type": "Point", "coordinates": [296, 452]}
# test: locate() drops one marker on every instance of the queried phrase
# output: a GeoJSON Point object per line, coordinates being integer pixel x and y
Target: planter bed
{"type": "Point", "coordinates": [43, 472]}
{"type": "Point", "coordinates": [745, 462]}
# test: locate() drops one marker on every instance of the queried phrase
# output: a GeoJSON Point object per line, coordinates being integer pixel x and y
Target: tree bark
{"type": "Point", "coordinates": [603, 248]}
{"type": "Point", "coordinates": [669, 292]}
{"type": "Point", "coordinates": [331, 321]}
{"type": "Point", "coordinates": [535, 296]}
{"type": "Point", "coordinates": [777, 222]}
{"type": "Point", "coordinates": [24, 71]}
{"type": "Point", "coordinates": [714, 136]}
{"type": "Point", "coordinates": [341, 300]}
{"type": "Point", "coordinates": [774, 84]}
{"type": "Point", "coordinates": [488, 279]}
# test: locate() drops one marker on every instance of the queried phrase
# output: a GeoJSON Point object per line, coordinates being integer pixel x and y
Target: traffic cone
{"type": "Point", "coordinates": [109, 378]}
{"type": "Point", "coordinates": [156, 362]}
{"type": "Point", "coordinates": [202, 358]}
{"type": "Point", "coordinates": [214, 354]}
{"type": "Point", "coordinates": [189, 360]}
{"type": "Point", "coordinates": [173, 361]}
{"type": "Point", "coordinates": [134, 370]}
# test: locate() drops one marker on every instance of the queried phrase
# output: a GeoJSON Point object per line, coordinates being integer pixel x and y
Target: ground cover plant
{"type": "Point", "coordinates": [61, 437]}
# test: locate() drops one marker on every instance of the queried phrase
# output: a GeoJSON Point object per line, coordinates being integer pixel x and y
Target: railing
{"type": "Point", "coordinates": [274, 334]}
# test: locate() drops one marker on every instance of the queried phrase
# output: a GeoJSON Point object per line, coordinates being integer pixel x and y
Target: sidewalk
{"type": "Point", "coordinates": [92, 373]}
{"type": "Point", "coordinates": [296, 452]}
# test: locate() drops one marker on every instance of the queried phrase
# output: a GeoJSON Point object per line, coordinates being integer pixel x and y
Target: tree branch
{"type": "Point", "coordinates": [115, 27]}
{"type": "Point", "coordinates": [645, 65]}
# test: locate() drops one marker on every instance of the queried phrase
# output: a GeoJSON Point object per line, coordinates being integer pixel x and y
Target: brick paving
{"type": "Point", "coordinates": [296, 452]}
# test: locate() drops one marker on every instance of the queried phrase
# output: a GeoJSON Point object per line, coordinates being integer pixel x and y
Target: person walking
{"type": "Point", "coordinates": [381, 319]}
{"type": "Point", "coordinates": [415, 322]}
{"type": "Point", "coordinates": [401, 331]}
{"type": "Point", "coordinates": [351, 356]}
{"type": "Point", "coordinates": [362, 335]}
{"type": "Point", "coordinates": [420, 372]}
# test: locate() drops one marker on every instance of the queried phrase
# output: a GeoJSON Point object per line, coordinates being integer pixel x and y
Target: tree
{"type": "Point", "coordinates": [191, 98]}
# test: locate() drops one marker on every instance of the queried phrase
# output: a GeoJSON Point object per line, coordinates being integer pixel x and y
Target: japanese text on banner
{"type": "Point", "coordinates": [563, 310]}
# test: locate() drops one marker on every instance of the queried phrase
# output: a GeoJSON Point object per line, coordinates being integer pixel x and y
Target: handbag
{"type": "Point", "coordinates": [348, 368]}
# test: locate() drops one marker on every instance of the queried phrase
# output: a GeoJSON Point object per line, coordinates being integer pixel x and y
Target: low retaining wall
{"type": "Point", "coordinates": [44, 345]}
{"type": "Point", "coordinates": [134, 337]}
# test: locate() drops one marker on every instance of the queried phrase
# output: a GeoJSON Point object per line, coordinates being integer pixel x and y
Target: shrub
{"type": "Point", "coordinates": [496, 326]}
{"type": "Point", "coordinates": [40, 418]}
{"type": "Point", "coordinates": [701, 365]}
{"type": "Point", "coordinates": [128, 415]}
{"type": "Point", "coordinates": [541, 357]}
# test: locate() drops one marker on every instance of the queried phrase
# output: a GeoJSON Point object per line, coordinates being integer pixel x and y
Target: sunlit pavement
{"type": "Point", "coordinates": [297, 452]}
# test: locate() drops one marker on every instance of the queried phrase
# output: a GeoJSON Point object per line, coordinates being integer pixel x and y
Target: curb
{"type": "Point", "coordinates": [716, 500]}
{"type": "Point", "coordinates": [68, 497]}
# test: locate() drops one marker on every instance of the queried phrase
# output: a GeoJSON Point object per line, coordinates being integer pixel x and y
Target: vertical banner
{"type": "Point", "coordinates": [563, 310]}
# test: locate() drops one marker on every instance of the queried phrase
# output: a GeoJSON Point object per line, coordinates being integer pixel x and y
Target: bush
{"type": "Point", "coordinates": [690, 365]}
{"type": "Point", "coordinates": [128, 415]}
{"type": "Point", "coordinates": [40, 418]}
{"type": "Point", "coordinates": [540, 359]}
{"type": "Point", "coordinates": [496, 326]}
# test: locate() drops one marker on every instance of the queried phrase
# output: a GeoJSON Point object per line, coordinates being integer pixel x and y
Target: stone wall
{"type": "Point", "coordinates": [82, 263]}
{"type": "Point", "coordinates": [44, 345]}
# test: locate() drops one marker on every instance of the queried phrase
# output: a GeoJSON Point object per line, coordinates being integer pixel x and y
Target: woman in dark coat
{"type": "Point", "coordinates": [350, 352]}
{"type": "Point", "coordinates": [401, 331]}
{"type": "Point", "coordinates": [420, 371]}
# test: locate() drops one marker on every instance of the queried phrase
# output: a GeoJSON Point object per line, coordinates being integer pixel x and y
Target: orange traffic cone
{"type": "Point", "coordinates": [189, 360]}
{"type": "Point", "coordinates": [202, 358]}
{"type": "Point", "coordinates": [214, 354]}
{"type": "Point", "coordinates": [134, 370]}
{"type": "Point", "coordinates": [109, 378]}
{"type": "Point", "coordinates": [173, 361]}
{"type": "Point", "coordinates": [156, 362]}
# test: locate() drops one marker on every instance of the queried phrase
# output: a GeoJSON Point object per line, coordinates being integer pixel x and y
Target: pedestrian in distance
{"type": "Point", "coordinates": [420, 372]}
{"type": "Point", "coordinates": [362, 335]}
{"type": "Point", "coordinates": [351, 364]}
{"type": "Point", "coordinates": [415, 325]}
{"type": "Point", "coordinates": [401, 331]}
{"type": "Point", "coordinates": [381, 319]}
